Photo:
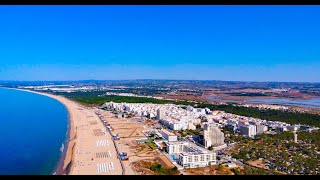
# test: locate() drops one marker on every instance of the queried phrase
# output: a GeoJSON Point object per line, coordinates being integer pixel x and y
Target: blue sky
{"type": "Point", "coordinates": [250, 43]}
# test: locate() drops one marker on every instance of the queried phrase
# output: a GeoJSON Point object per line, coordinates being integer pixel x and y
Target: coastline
{"type": "Point", "coordinates": [64, 164]}
{"type": "Point", "coordinates": [88, 149]}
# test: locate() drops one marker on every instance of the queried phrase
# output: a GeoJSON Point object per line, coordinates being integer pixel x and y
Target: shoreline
{"type": "Point", "coordinates": [67, 155]}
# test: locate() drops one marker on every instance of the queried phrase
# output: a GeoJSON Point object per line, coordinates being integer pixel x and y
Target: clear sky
{"type": "Point", "coordinates": [250, 43]}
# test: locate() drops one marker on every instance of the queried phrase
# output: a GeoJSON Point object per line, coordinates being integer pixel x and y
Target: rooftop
{"type": "Point", "coordinates": [167, 132]}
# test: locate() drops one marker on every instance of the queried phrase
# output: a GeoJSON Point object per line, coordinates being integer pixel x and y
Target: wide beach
{"type": "Point", "coordinates": [89, 149]}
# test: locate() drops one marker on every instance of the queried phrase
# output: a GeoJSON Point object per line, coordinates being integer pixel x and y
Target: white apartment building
{"type": "Point", "coordinates": [261, 128]}
{"type": "Point", "coordinates": [178, 125]}
{"type": "Point", "coordinates": [168, 135]}
{"type": "Point", "coordinates": [212, 135]}
{"type": "Point", "coordinates": [196, 157]}
{"type": "Point", "coordinates": [176, 147]}
{"type": "Point", "coordinates": [248, 130]}
{"type": "Point", "coordinates": [160, 114]}
{"type": "Point", "coordinates": [191, 126]}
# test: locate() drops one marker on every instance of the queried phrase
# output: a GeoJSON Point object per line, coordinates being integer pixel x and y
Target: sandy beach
{"type": "Point", "coordinates": [90, 148]}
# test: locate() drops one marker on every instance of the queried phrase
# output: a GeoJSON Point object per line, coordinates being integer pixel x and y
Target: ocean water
{"type": "Point", "coordinates": [32, 130]}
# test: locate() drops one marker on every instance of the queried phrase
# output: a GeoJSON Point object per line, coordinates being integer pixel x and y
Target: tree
{"type": "Point", "coordinates": [164, 144]}
{"type": "Point", "coordinates": [236, 171]}
{"type": "Point", "coordinates": [220, 167]}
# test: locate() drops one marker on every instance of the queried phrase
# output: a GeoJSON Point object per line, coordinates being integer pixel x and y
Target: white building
{"type": "Point", "coordinates": [176, 126]}
{"type": "Point", "coordinates": [189, 108]}
{"type": "Point", "coordinates": [191, 126]}
{"type": "Point", "coordinates": [160, 114]}
{"type": "Point", "coordinates": [191, 155]}
{"type": "Point", "coordinates": [196, 156]}
{"type": "Point", "coordinates": [261, 128]}
{"type": "Point", "coordinates": [212, 135]}
{"type": "Point", "coordinates": [295, 137]}
{"type": "Point", "coordinates": [168, 135]}
{"type": "Point", "coordinates": [248, 130]}
{"type": "Point", "coordinates": [176, 147]}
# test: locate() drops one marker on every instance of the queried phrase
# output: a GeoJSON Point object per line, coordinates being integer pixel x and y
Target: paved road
{"type": "Point", "coordinates": [226, 159]}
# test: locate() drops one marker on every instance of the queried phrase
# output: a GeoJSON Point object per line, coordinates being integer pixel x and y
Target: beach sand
{"type": "Point", "coordinates": [90, 151]}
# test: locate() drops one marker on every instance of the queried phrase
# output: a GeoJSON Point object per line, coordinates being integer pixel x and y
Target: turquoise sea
{"type": "Point", "coordinates": [32, 131]}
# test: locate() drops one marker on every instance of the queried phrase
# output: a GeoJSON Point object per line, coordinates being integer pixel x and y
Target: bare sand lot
{"type": "Point", "coordinates": [129, 131]}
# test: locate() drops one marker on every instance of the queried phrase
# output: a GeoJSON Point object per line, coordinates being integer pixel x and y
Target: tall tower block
{"type": "Point", "coordinates": [295, 137]}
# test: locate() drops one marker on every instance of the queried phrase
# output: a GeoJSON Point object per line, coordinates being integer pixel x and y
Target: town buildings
{"type": "Point", "coordinates": [212, 135]}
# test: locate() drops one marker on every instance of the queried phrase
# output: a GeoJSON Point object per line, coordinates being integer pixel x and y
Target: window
{"type": "Point", "coordinates": [196, 159]}
{"type": "Point", "coordinates": [190, 159]}
{"type": "Point", "coordinates": [208, 157]}
{"type": "Point", "coordinates": [212, 157]}
{"type": "Point", "coordinates": [202, 158]}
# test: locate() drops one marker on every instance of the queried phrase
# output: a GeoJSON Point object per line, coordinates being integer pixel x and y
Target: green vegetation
{"type": "Point", "coordinates": [253, 171]}
{"type": "Point", "coordinates": [231, 136]}
{"type": "Point", "coordinates": [151, 144]}
{"type": "Point", "coordinates": [281, 153]}
{"type": "Point", "coordinates": [158, 169]}
{"type": "Point", "coordinates": [99, 100]}
{"type": "Point", "coordinates": [190, 132]}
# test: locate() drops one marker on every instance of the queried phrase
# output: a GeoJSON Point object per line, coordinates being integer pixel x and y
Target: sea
{"type": "Point", "coordinates": [33, 131]}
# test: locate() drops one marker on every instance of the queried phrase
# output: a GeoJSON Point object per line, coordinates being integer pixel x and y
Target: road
{"type": "Point", "coordinates": [224, 158]}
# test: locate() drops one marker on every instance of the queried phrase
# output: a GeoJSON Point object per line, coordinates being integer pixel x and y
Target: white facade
{"type": "Point", "coordinates": [295, 137]}
{"type": "Point", "coordinates": [159, 114]}
{"type": "Point", "coordinates": [196, 157]}
{"type": "Point", "coordinates": [189, 108]}
{"type": "Point", "coordinates": [191, 126]}
{"type": "Point", "coordinates": [191, 155]}
{"type": "Point", "coordinates": [176, 147]}
{"type": "Point", "coordinates": [168, 136]}
{"type": "Point", "coordinates": [261, 128]}
{"type": "Point", "coordinates": [175, 126]}
{"type": "Point", "coordinates": [212, 135]}
{"type": "Point", "coordinates": [248, 130]}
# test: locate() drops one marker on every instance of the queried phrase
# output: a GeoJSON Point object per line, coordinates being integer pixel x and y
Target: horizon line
{"type": "Point", "coordinates": [158, 80]}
